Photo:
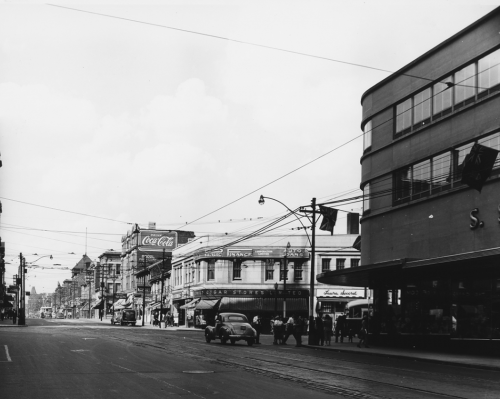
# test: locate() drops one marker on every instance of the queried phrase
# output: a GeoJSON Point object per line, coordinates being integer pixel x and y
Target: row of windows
{"type": "Point", "coordinates": [339, 264]}
{"type": "Point", "coordinates": [431, 176]}
{"type": "Point", "coordinates": [465, 86]}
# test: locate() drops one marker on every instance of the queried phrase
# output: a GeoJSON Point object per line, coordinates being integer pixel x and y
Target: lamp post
{"type": "Point", "coordinates": [312, 242]}
{"type": "Point", "coordinates": [275, 299]}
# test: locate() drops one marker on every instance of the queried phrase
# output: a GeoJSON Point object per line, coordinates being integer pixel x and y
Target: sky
{"type": "Point", "coordinates": [184, 112]}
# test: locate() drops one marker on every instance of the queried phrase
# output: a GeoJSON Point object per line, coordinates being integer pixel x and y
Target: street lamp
{"type": "Point", "coordinates": [276, 299]}
{"type": "Point", "coordinates": [312, 242]}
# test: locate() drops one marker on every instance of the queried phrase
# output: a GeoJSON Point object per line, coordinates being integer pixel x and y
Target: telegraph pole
{"type": "Point", "coordinates": [161, 295]}
{"type": "Point", "coordinates": [144, 292]}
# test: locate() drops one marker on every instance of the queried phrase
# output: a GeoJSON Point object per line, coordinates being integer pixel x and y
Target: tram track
{"type": "Point", "coordinates": [309, 373]}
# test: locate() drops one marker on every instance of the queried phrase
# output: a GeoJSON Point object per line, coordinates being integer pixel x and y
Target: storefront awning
{"type": "Point", "coordinates": [208, 303]}
{"type": "Point", "coordinates": [359, 276]}
{"type": "Point", "coordinates": [98, 305]}
{"type": "Point", "coordinates": [191, 304]}
{"type": "Point", "coordinates": [121, 304]}
{"type": "Point", "coordinates": [483, 255]}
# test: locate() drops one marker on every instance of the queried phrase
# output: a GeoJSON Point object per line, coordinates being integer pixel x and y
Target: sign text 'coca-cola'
{"type": "Point", "coordinates": [163, 240]}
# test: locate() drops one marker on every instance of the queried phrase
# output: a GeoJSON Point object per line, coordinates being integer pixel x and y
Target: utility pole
{"type": "Point", "coordinates": [22, 271]}
{"type": "Point", "coordinates": [311, 338]}
{"type": "Point", "coordinates": [161, 295]}
{"type": "Point", "coordinates": [285, 278]}
{"type": "Point", "coordinates": [144, 292]}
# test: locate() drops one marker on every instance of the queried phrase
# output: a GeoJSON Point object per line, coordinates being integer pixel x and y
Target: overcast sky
{"type": "Point", "coordinates": [132, 122]}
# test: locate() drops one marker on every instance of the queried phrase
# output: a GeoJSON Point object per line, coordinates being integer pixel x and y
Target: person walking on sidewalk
{"type": "Point", "coordinates": [298, 326]}
{"type": "Point", "coordinates": [257, 325]}
{"type": "Point", "coordinates": [14, 316]}
{"type": "Point", "coordinates": [363, 333]}
{"type": "Point", "coordinates": [328, 329]}
{"type": "Point", "coordinates": [278, 331]}
{"type": "Point", "coordinates": [319, 327]}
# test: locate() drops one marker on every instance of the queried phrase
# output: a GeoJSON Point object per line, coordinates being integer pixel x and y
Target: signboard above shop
{"type": "Point", "coordinates": [210, 293]}
{"type": "Point", "coordinates": [252, 253]}
{"type": "Point", "coordinates": [150, 239]}
{"type": "Point", "coordinates": [341, 293]}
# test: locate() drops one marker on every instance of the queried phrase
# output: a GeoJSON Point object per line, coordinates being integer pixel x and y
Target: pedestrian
{"type": "Point", "coordinates": [363, 333]}
{"type": "Point", "coordinates": [298, 326]}
{"type": "Point", "coordinates": [14, 316]}
{"type": "Point", "coordinates": [339, 328]}
{"type": "Point", "coordinates": [328, 329]}
{"type": "Point", "coordinates": [277, 331]}
{"type": "Point", "coordinates": [319, 327]}
{"type": "Point", "coordinates": [288, 330]}
{"type": "Point", "coordinates": [351, 334]}
{"type": "Point", "coordinates": [1, 315]}
{"type": "Point", "coordinates": [155, 318]}
{"type": "Point", "coordinates": [257, 325]}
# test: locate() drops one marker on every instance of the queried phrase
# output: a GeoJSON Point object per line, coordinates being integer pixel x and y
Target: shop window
{"type": "Point", "coordinates": [489, 74]}
{"type": "Point", "coordinates": [237, 270]}
{"type": "Point", "coordinates": [326, 307]}
{"type": "Point", "coordinates": [367, 135]}
{"type": "Point", "coordinates": [211, 270]}
{"type": "Point", "coordinates": [297, 271]}
{"type": "Point", "coordinates": [354, 262]}
{"type": "Point", "coordinates": [340, 264]}
{"type": "Point", "coordinates": [269, 269]}
{"type": "Point", "coordinates": [325, 264]}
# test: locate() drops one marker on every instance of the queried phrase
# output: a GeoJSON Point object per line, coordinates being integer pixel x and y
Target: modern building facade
{"type": "Point", "coordinates": [430, 244]}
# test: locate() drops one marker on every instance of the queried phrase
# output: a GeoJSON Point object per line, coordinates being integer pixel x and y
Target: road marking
{"type": "Point", "coordinates": [7, 353]}
{"type": "Point", "coordinates": [87, 338]}
{"type": "Point", "coordinates": [80, 350]}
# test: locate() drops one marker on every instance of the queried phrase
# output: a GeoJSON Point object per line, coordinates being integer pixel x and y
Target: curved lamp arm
{"type": "Point", "coordinates": [262, 202]}
{"type": "Point", "coordinates": [41, 258]}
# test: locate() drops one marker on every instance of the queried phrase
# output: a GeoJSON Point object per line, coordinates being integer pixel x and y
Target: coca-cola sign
{"type": "Point", "coordinates": [159, 240]}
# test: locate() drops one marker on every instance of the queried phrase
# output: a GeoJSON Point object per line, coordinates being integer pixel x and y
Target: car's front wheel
{"type": "Point", "coordinates": [223, 340]}
{"type": "Point", "coordinates": [233, 341]}
{"type": "Point", "coordinates": [207, 337]}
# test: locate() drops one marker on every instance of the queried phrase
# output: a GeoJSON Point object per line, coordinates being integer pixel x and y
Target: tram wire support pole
{"type": "Point", "coordinates": [144, 292]}
{"type": "Point", "coordinates": [285, 278]}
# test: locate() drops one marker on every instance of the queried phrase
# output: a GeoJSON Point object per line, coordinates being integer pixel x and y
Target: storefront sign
{"type": "Point", "coordinates": [340, 293]}
{"type": "Point", "coordinates": [121, 296]}
{"type": "Point", "coordinates": [253, 253]}
{"type": "Point", "coordinates": [210, 293]}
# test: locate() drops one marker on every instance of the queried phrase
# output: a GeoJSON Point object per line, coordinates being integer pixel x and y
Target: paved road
{"type": "Point", "coordinates": [75, 359]}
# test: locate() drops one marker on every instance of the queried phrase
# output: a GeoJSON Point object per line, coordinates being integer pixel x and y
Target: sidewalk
{"type": "Point", "coordinates": [462, 360]}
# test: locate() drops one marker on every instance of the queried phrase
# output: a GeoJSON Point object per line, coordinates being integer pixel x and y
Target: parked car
{"type": "Point", "coordinates": [124, 316]}
{"type": "Point", "coordinates": [231, 327]}
{"type": "Point", "coordinates": [60, 316]}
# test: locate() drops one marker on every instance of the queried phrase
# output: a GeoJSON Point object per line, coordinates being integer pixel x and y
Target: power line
{"type": "Point", "coordinates": [63, 210]}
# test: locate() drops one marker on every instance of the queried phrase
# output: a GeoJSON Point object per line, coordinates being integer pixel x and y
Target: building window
{"type": "Point", "coordinates": [198, 266]}
{"type": "Point", "coordinates": [488, 73]}
{"type": "Point", "coordinates": [269, 269]}
{"type": "Point", "coordinates": [118, 268]}
{"type": "Point", "coordinates": [442, 98]}
{"type": "Point", "coordinates": [110, 288]}
{"type": "Point", "coordinates": [422, 108]}
{"type": "Point", "coordinates": [340, 264]}
{"type": "Point", "coordinates": [366, 197]}
{"type": "Point", "coordinates": [237, 270]}
{"type": "Point", "coordinates": [118, 287]}
{"type": "Point", "coordinates": [211, 270]}
{"type": "Point", "coordinates": [354, 262]}
{"type": "Point", "coordinates": [367, 135]}
{"type": "Point", "coordinates": [403, 117]}
{"type": "Point", "coordinates": [438, 173]}
{"type": "Point", "coordinates": [297, 271]}
{"type": "Point", "coordinates": [325, 264]}
{"type": "Point", "coordinates": [465, 86]}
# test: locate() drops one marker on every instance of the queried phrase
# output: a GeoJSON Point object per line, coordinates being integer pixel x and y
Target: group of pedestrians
{"type": "Point", "coordinates": [167, 318]}
{"type": "Point", "coordinates": [295, 325]}
{"type": "Point", "coordinates": [9, 314]}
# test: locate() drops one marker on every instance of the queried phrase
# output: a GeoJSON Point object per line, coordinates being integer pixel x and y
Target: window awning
{"type": "Point", "coordinates": [208, 303]}
{"type": "Point", "coordinates": [121, 304]}
{"type": "Point", "coordinates": [191, 304]}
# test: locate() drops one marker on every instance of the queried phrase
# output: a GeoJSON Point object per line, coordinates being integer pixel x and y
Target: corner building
{"type": "Point", "coordinates": [434, 268]}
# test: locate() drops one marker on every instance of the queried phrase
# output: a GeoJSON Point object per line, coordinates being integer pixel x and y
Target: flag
{"type": "Point", "coordinates": [329, 218]}
{"type": "Point", "coordinates": [357, 243]}
{"type": "Point", "coordinates": [477, 166]}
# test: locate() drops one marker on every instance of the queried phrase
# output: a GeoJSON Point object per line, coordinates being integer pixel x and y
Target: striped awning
{"type": "Point", "coordinates": [190, 305]}
{"type": "Point", "coordinates": [208, 303]}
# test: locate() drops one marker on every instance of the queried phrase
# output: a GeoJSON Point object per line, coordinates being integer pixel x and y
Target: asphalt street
{"type": "Point", "coordinates": [76, 359]}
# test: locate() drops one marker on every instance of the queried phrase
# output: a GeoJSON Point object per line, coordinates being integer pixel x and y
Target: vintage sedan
{"type": "Point", "coordinates": [231, 327]}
